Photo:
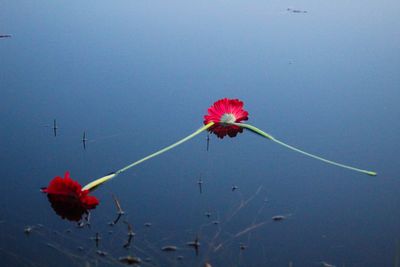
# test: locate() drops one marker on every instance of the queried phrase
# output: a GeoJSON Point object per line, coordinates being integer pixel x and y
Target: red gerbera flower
{"type": "Point", "coordinates": [223, 112]}
{"type": "Point", "coordinates": [67, 198]}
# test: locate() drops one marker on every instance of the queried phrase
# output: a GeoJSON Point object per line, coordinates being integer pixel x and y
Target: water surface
{"type": "Point", "coordinates": [139, 75]}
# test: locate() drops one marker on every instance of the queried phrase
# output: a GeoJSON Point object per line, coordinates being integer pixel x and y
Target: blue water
{"type": "Point", "coordinates": [140, 75]}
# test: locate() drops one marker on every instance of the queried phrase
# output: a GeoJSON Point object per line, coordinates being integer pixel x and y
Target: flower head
{"type": "Point", "coordinates": [67, 198]}
{"type": "Point", "coordinates": [222, 113]}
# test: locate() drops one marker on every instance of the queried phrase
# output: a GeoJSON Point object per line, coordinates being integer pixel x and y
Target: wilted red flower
{"type": "Point", "coordinates": [67, 198]}
{"type": "Point", "coordinates": [223, 112]}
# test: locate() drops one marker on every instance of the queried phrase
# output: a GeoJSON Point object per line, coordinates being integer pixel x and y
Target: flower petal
{"type": "Point", "coordinates": [234, 107]}
{"type": "Point", "coordinates": [67, 198]}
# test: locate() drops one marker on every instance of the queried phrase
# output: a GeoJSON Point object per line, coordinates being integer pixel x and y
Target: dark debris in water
{"type": "Point", "coordinates": [292, 10]}
{"type": "Point", "coordinates": [169, 248]}
{"type": "Point", "coordinates": [130, 260]}
{"type": "Point", "coordinates": [28, 229]}
{"type": "Point", "coordinates": [278, 218]}
{"type": "Point", "coordinates": [101, 253]}
{"type": "Point", "coordinates": [207, 214]}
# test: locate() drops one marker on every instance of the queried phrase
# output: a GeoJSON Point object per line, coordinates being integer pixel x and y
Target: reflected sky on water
{"type": "Point", "coordinates": [139, 75]}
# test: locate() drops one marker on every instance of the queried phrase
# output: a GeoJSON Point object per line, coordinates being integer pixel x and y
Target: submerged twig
{"type": "Point", "coordinates": [131, 234]}
{"type": "Point", "coordinates": [120, 212]}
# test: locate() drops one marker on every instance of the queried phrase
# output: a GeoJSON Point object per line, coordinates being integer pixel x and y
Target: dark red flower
{"type": "Point", "coordinates": [226, 111]}
{"type": "Point", "coordinates": [67, 198]}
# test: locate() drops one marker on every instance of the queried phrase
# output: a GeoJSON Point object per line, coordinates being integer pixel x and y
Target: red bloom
{"type": "Point", "coordinates": [67, 198]}
{"type": "Point", "coordinates": [226, 111]}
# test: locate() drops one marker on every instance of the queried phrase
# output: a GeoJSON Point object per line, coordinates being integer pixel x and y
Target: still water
{"type": "Point", "coordinates": [139, 75]}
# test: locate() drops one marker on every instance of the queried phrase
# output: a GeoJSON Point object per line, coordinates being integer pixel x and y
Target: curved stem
{"type": "Point", "coordinates": [270, 137]}
{"type": "Point", "coordinates": [97, 182]}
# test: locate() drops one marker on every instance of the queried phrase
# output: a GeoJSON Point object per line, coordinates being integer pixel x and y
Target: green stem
{"type": "Point", "coordinates": [270, 137]}
{"type": "Point", "coordinates": [97, 182]}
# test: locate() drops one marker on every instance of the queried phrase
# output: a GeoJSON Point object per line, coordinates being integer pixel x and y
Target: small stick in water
{"type": "Point", "coordinates": [200, 183]}
{"type": "Point", "coordinates": [131, 234]}
{"type": "Point", "coordinates": [84, 140]}
{"type": "Point", "coordinates": [97, 239]}
{"type": "Point", "coordinates": [55, 127]}
{"type": "Point", "coordinates": [120, 212]}
{"type": "Point", "coordinates": [195, 244]}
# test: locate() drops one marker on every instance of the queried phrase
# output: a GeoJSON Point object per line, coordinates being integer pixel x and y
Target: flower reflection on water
{"type": "Point", "coordinates": [102, 244]}
{"type": "Point", "coordinates": [68, 199]}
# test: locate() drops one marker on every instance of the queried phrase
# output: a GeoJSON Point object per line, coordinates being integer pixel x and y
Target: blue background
{"type": "Point", "coordinates": [139, 75]}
